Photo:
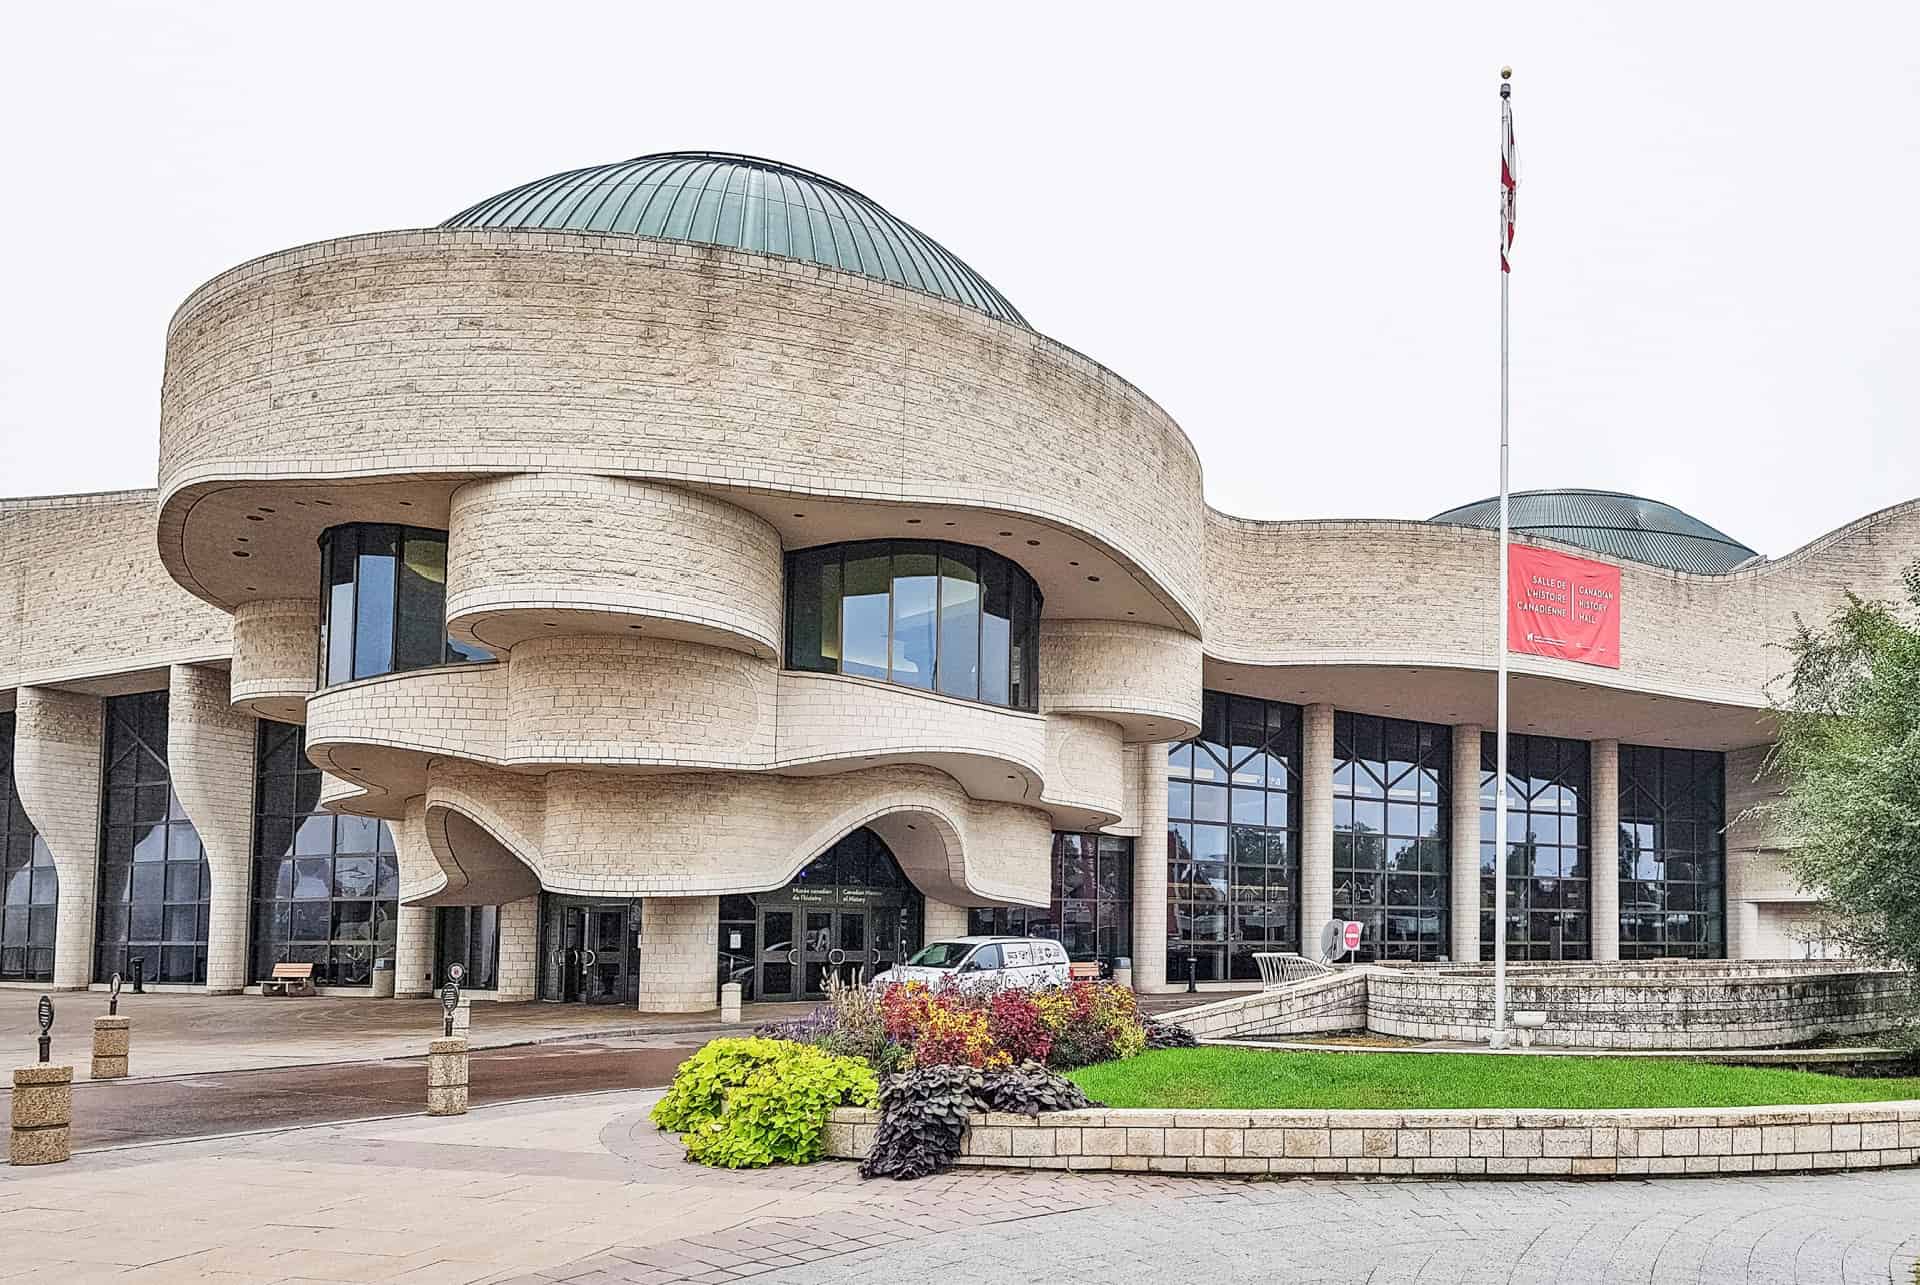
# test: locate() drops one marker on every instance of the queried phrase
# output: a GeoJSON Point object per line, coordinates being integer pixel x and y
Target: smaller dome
{"type": "Point", "coordinates": [1613, 523]}
{"type": "Point", "coordinates": [743, 203]}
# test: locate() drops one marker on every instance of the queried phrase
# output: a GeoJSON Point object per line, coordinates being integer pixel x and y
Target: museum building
{"type": "Point", "coordinates": [683, 570]}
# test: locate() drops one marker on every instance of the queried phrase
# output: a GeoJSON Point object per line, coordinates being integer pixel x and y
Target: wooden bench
{"type": "Point", "coordinates": [1085, 970]}
{"type": "Point", "coordinates": [289, 979]}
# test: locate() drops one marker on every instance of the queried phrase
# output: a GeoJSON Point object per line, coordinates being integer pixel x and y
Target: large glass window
{"type": "Point", "coordinates": [1672, 853]}
{"type": "Point", "coordinates": [154, 884]}
{"type": "Point", "coordinates": [383, 599]}
{"type": "Point", "coordinates": [1233, 838]}
{"type": "Point", "coordinates": [1546, 843]}
{"type": "Point", "coordinates": [941, 617]}
{"type": "Point", "coordinates": [326, 888]}
{"type": "Point", "coordinates": [1390, 834]}
{"type": "Point", "coordinates": [30, 891]}
{"type": "Point", "coordinates": [470, 937]}
{"type": "Point", "coordinates": [1091, 911]}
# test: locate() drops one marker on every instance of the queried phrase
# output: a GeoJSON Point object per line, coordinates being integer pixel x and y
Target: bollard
{"type": "Point", "coordinates": [730, 1002]}
{"type": "Point", "coordinates": [42, 1112]}
{"type": "Point", "coordinates": [447, 1077]}
{"type": "Point", "coordinates": [112, 1042]}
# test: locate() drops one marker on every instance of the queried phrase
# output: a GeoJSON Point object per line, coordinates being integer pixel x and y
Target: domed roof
{"type": "Point", "coordinates": [744, 203]}
{"type": "Point", "coordinates": [1609, 522]}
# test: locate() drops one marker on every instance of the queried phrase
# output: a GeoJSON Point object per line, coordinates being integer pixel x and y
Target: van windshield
{"type": "Point", "coordinates": [942, 954]}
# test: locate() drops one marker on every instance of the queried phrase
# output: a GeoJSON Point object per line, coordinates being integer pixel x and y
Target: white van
{"type": "Point", "coordinates": [986, 962]}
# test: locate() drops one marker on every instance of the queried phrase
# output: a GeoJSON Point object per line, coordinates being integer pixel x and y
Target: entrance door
{"type": "Point", "coordinates": [594, 954]}
{"type": "Point", "coordinates": [801, 948]}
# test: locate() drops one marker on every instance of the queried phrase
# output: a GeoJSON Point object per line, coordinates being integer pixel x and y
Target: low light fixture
{"type": "Point", "coordinates": [406, 504]}
{"type": "Point", "coordinates": [241, 553]}
{"type": "Point", "coordinates": [1094, 579]}
{"type": "Point", "coordinates": [799, 515]}
{"type": "Point", "coordinates": [913, 521]}
{"type": "Point", "coordinates": [255, 517]}
{"type": "Point", "coordinates": [265, 509]}
{"type": "Point", "coordinates": [1072, 563]}
{"type": "Point", "coordinates": [1006, 533]}
{"type": "Point", "coordinates": [325, 504]}
{"type": "Point", "coordinates": [1033, 544]}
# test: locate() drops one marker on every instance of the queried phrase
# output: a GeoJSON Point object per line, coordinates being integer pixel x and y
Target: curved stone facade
{"type": "Point", "coordinates": [623, 439]}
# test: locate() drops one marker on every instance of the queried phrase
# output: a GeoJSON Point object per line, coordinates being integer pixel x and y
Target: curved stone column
{"type": "Point", "coordinates": [276, 644]}
{"type": "Point", "coordinates": [1463, 877]}
{"type": "Point", "coordinates": [678, 950]}
{"type": "Point", "coordinates": [1603, 860]}
{"type": "Point", "coordinates": [210, 755]}
{"type": "Point", "coordinates": [56, 772]}
{"type": "Point", "coordinates": [520, 948]}
{"type": "Point", "coordinates": [419, 875]}
{"type": "Point", "coordinates": [943, 920]}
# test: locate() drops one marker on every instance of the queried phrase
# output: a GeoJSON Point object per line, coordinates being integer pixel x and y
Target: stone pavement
{"type": "Point", "coordinates": [584, 1190]}
{"type": "Point", "coordinates": [176, 1034]}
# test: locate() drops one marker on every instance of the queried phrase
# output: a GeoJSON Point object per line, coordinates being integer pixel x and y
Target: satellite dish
{"type": "Point", "coordinates": [1333, 940]}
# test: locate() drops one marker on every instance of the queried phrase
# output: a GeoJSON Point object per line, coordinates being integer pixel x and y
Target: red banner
{"type": "Point", "coordinates": [1560, 605]}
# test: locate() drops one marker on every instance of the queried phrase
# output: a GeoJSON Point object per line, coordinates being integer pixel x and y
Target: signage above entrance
{"type": "Point", "coordinates": [1563, 606]}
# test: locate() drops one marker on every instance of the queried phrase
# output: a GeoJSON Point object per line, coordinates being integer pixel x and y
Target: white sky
{"type": "Point", "coordinates": [1278, 221]}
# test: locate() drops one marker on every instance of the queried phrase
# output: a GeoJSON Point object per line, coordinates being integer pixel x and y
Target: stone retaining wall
{"type": "Point", "coordinates": [1598, 1006]}
{"type": "Point", "coordinates": [1440, 1144]}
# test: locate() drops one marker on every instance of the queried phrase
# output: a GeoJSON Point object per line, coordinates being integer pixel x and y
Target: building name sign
{"type": "Point", "coordinates": [1563, 606]}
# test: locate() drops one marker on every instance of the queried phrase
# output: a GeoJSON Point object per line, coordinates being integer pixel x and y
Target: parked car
{"type": "Point", "coordinates": [985, 962]}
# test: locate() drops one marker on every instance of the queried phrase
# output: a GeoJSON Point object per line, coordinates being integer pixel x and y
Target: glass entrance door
{"type": "Point", "coordinates": [800, 949]}
{"type": "Point", "coordinates": [593, 955]}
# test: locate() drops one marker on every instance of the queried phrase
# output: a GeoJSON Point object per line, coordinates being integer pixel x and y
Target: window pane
{"type": "Point", "coordinates": [421, 628]}
{"type": "Point", "coordinates": [959, 623]}
{"type": "Point", "coordinates": [1020, 659]}
{"type": "Point", "coordinates": [813, 604]}
{"type": "Point", "coordinates": [864, 612]}
{"type": "Point", "coordinates": [996, 631]}
{"type": "Point", "coordinates": [339, 629]}
{"type": "Point", "coordinates": [373, 616]}
{"type": "Point", "coordinates": [915, 578]}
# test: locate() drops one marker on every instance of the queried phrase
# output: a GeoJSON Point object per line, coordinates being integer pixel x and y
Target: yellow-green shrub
{"type": "Point", "coordinates": [743, 1103]}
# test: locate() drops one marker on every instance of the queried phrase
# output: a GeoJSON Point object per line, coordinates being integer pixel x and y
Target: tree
{"type": "Point", "coordinates": [1849, 759]}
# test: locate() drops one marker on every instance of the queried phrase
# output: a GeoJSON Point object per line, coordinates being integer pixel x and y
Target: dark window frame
{"type": "Point", "coordinates": [333, 539]}
{"type": "Point", "coordinates": [1025, 606]}
{"type": "Point", "coordinates": [1112, 913]}
{"type": "Point", "coordinates": [22, 851]}
{"type": "Point", "coordinates": [1677, 799]}
{"type": "Point", "coordinates": [134, 806]}
{"type": "Point", "coordinates": [1228, 953]}
{"type": "Point", "coordinates": [1526, 759]}
{"type": "Point", "coordinates": [1353, 736]}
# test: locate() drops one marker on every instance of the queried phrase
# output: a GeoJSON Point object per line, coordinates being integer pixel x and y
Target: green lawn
{"type": "Point", "coordinates": [1245, 1079]}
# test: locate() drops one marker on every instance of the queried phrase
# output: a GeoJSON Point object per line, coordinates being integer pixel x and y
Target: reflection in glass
{"type": "Point", "coordinates": [1547, 837]}
{"type": "Point", "coordinates": [1672, 855]}
{"type": "Point", "coordinates": [940, 617]}
{"type": "Point", "coordinates": [153, 910]}
{"type": "Point", "coordinates": [30, 885]}
{"type": "Point", "coordinates": [383, 602]}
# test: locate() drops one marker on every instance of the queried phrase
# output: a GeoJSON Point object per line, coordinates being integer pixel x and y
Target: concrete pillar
{"type": "Point", "coordinates": [42, 1114]}
{"type": "Point", "coordinates": [447, 1076]}
{"type": "Point", "coordinates": [1316, 823]}
{"type": "Point", "coordinates": [210, 757]}
{"type": "Point", "coordinates": [413, 952]}
{"type": "Point", "coordinates": [112, 1047]}
{"type": "Point", "coordinates": [942, 921]}
{"type": "Point", "coordinates": [57, 756]}
{"type": "Point", "coordinates": [1743, 922]}
{"type": "Point", "coordinates": [520, 948]}
{"type": "Point", "coordinates": [1603, 763]}
{"type": "Point", "coordinates": [1463, 872]}
{"type": "Point", "coordinates": [679, 954]}
{"type": "Point", "coordinates": [1150, 874]}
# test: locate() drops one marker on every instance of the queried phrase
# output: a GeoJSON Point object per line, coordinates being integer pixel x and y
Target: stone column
{"type": "Point", "coordinates": [112, 1047]}
{"type": "Point", "coordinates": [1603, 761]}
{"type": "Point", "coordinates": [1463, 875]}
{"type": "Point", "coordinates": [1150, 874]}
{"type": "Point", "coordinates": [520, 948]}
{"type": "Point", "coordinates": [210, 757]}
{"type": "Point", "coordinates": [1316, 823]}
{"type": "Point", "coordinates": [679, 954]}
{"type": "Point", "coordinates": [57, 757]}
{"type": "Point", "coordinates": [42, 1112]}
{"type": "Point", "coordinates": [944, 920]}
{"type": "Point", "coordinates": [413, 952]}
{"type": "Point", "coordinates": [447, 1076]}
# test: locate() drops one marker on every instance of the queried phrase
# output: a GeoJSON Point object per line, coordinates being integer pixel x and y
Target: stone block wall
{"type": "Point", "coordinates": [1434, 1144]}
{"type": "Point", "coordinates": [520, 947]}
{"type": "Point", "coordinates": [1335, 1002]}
{"type": "Point", "coordinates": [677, 954]}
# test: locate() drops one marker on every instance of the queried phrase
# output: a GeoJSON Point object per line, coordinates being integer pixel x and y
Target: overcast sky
{"type": "Point", "coordinates": [1280, 224]}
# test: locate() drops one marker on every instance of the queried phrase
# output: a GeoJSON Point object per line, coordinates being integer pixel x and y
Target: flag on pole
{"type": "Point", "coordinates": [1509, 181]}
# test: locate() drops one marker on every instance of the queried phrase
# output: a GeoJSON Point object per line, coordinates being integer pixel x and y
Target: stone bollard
{"type": "Point", "coordinates": [112, 1043]}
{"type": "Point", "coordinates": [447, 1077]}
{"type": "Point", "coordinates": [42, 1111]}
{"type": "Point", "coordinates": [730, 1002]}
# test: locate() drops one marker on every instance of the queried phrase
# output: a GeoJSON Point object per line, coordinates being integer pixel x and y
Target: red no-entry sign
{"type": "Point", "coordinates": [1350, 935]}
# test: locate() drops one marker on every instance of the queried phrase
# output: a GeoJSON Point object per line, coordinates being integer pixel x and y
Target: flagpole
{"type": "Point", "coordinates": [1497, 1038]}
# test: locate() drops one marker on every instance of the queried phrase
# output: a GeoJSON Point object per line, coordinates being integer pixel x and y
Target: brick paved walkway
{"type": "Point", "coordinates": [583, 1190]}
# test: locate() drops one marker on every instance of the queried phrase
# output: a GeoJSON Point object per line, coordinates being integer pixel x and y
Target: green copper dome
{"type": "Point", "coordinates": [1613, 523]}
{"type": "Point", "coordinates": [743, 203]}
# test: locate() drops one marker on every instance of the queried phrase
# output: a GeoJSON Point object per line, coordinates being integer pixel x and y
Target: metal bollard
{"type": "Point", "coordinates": [447, 1077]}
{"type": "Point", "coordinates": [112, 1043]}
{"type": "Point", "coordinates": [1192, 987]}
{"type": "Point", "coordinates": [42, 1114]}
